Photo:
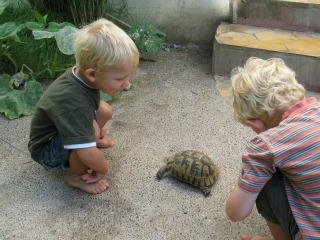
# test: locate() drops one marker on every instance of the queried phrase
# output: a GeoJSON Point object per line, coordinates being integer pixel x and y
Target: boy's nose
{"type": "Point", "coordinates": [125, 83]}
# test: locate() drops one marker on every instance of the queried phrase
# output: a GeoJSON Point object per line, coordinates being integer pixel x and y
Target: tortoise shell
{"type": "Point", "coordinates": [192, 167]}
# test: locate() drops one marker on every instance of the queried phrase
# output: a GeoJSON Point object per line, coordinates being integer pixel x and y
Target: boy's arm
{"type": "Point", "coordinates": [93, 158]}
{"type": "Point", "coordinates": [239, 204]}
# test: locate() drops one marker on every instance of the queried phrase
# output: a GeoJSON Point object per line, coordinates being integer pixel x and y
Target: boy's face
{"type": "Point", "coordinates": [265, 122]}
{"type": "Point", "coordinates": [114, 79]}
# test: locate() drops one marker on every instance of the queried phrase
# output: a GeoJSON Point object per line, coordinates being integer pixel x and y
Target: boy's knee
{"type": "Point", "coordinates": [107, 169]}
{"type": "Point", "coordinates": [105, 109]}
{"type": "Point", "coordinates": [104, 113]}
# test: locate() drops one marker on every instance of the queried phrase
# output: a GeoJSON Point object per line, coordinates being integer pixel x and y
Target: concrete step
{"type": "Point", "coordinates": [235, 43]}
{"type": "Point", "coordinates": [299, 15]}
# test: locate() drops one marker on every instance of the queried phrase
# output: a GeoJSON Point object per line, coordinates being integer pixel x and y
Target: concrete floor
{"type": "Point", "coordinates": [174, 105]}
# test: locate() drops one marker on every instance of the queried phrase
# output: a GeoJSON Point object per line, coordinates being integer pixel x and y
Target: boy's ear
{"type": "Point", "coordinates": [90, 74]}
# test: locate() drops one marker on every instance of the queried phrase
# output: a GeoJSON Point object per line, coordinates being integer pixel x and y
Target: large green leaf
{"type": "Point", "coordinates": [35, 25]}
{"type": "Point", "coordinates": [3, 5]}
{"type": "Point", "coordinates": [63, 34]}
{"type": "Point", "coordinates": [5, 84]}
{"type": "Point", "coordinates": [64, 38]}
{"type": "Point", "coordinates": [42, 34]}
{"type": "Point", "coordinates": [39, 17]}
{"type": "Point", "coordinates": [54, 27]}
{"type": "Point", "coordinates": [14, 103]}
{"type": "Point", "coordinates": [9, 29]}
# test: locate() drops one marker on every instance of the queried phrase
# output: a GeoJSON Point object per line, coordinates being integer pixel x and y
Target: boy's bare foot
{"type": "Point", "coordinates": [246, 237]}
{"type": "Point", "coordinates": [93, 188]}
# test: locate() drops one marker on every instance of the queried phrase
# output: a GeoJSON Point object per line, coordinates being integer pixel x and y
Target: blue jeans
{"type": "Point", "coordinates": [55, 156]}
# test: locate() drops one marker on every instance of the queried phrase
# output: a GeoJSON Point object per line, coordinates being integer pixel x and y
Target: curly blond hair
{"type": "Point", "coordinates": [102, 45]}
{"type": "Point", "coordinates": [263, 86]}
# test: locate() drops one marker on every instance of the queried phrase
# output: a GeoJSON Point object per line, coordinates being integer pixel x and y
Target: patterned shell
{"type": "Point", "coordinates": [192, 167]}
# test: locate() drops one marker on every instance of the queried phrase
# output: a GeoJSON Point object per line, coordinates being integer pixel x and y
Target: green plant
{"type": "Point", "coordinates": [148, 38]}
{"type": "Point", "coordinates": [78, 11]}
{"type": "Point", "coordinates": [19, 93]}
{"type": "Point", "coordinates": [22, 101]}
{"type": "Point", "coordinates": [84, 12]}
{"type": "Point", "coordinates": [8, 35]}
{"type": "Point", "coordinates": [56, 39]}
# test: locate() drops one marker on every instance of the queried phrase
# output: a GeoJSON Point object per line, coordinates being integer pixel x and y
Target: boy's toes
{"type": "Point", "coordinates": [101, 186]}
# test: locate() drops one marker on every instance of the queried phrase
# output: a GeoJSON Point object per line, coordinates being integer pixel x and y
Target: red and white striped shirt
{"type": "Point", "coordinates": [293, 147]}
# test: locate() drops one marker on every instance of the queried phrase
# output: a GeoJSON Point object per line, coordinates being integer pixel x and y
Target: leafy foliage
{"type": "Point", "coordinates": [8, 34]}
{"type": "Point", "coordinates": [49, 49]}
{"type": "Point", "coordinates": [62, 32]}
{"type": "Point", "coordinates": [81, 12]}
{"type": "Point", "coordinates": [147, 38]}
{"type": "Point", "coordinates": [3, 5]}
{"type": "Point", "coordinates": [18, 94]}
{"type": "Point", "coordinates": [9, 30]}
{"type": "Point", "coordinates": [15, 102]}
{"type": "Point", "coordinates": [94, 9]}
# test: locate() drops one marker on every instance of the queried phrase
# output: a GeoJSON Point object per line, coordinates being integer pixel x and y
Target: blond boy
{"type": "Point", "coordinates": [67, 126]}
{"type": "Point", "coordinates": [280, 166]}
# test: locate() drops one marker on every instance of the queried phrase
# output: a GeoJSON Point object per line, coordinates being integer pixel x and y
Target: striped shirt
{"type": "Point", "coordinates": [293, 147]}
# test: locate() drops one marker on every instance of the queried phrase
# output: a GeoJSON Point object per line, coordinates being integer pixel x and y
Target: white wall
{"type": "Point", "coordinates": [183, 21]}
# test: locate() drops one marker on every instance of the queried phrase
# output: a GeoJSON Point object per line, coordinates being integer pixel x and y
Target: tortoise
{"type": "Point", "coordinates": [192, 167]}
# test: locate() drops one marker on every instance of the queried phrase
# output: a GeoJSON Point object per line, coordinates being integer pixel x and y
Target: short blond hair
{"type": "Point", "coordinates": [263, 86]}
{"type": "Point", "coordinates": [102, 45]}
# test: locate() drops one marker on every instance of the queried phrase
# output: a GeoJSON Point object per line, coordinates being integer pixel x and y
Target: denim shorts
{"type": "Point", "coordinates": [54, 156]}
{"type": "Point", "coordinates": [272, 203]}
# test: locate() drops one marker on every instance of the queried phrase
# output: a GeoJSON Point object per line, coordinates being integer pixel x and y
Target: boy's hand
{"type": "Point", "coordinates": [102, 139]}
{"type": "Point", "coordinates": [92, 177]}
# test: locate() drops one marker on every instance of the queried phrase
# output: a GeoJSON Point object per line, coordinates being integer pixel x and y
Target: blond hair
{"type": "Point", "coordinates": [102, 45]}
{"type": "Point", "coordinates": [263, 86]}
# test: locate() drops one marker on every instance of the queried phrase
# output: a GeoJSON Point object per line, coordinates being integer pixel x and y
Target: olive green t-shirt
{"type": "Point", "coordinates": [68, 107]}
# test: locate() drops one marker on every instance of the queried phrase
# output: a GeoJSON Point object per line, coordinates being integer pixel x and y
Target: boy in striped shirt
{"type": "Point", "coordinates": [281, 165]}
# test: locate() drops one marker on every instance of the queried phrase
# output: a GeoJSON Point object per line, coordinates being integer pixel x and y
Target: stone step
{"type": "Point", "coordinates": [235, 43]}
{"type": "Point", "coordinates": [299, 15]}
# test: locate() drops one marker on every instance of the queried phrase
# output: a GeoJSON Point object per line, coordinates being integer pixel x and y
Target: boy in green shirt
{"type": "Point", "coordinates": [67, 126]}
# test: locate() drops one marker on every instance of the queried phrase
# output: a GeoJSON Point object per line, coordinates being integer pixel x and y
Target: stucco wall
{"type": "Point", "coordinates": [183, 21]}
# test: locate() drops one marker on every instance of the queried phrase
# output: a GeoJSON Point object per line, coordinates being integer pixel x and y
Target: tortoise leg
{"type": "Point", "coordinates": [162, 172]}
{"type": "Point", "coordinates": [206, 191]}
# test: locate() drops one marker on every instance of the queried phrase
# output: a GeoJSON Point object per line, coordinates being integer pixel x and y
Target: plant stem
{"type": "Point", "coordinates": [12, 60]}
{"type": "Point", "coordinates": [42, 71]}
{"type": "Point", "coordinates": [25, 66]}
{"type": "Point", "coordinates": [55, 60]}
